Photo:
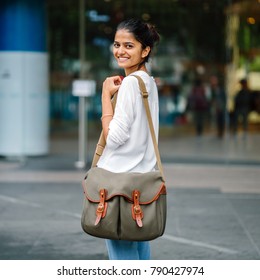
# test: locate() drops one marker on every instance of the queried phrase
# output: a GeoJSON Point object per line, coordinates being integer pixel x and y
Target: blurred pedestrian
{"type": "Point", "coordinates": [218, 105]}
{"type": "Point", "coordinates": [129, 147]}
{"type": "Point", "coordinates": [199, 105]}
{"type": "Point", "coordinates": [242, 106]}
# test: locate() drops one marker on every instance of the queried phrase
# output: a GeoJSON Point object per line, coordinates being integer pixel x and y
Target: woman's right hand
{"type": "Point", "coordinates": [111, 85]}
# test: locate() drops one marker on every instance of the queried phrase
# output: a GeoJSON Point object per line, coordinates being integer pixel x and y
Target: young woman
{"type": "Point", "coordinates": [129, 147]}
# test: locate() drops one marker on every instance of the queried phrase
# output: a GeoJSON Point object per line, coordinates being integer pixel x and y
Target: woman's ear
{"type": "Point", "coordinates": [146, 51]}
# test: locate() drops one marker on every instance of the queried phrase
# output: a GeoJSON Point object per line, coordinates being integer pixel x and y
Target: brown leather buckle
{"type": "Point", "coordinates": [145, 94]}
{"type": "Point", "coordinates": [137, 213]}
{"type": "Point", "coordinates": [102, 206]}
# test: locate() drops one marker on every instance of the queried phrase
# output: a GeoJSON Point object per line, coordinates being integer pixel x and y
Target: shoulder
{"type": "Point", "coordinates": [129, 84]}
{"type": "Point", "coordinates": [131, 79]}
{"type": "Point", "coordinates": [148, 80]}
{"type": "Point", "coordinates": [128, 90]}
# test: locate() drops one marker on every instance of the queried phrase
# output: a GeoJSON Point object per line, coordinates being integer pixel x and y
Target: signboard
{"type": "Point", "coordinates": [84, 88]}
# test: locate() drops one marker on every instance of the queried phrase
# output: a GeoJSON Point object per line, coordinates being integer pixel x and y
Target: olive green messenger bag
{"type": "Point", "coordinates": [127, 205]}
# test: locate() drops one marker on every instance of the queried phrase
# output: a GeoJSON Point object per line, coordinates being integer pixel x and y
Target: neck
{"type": "Point", "coordinates": [141, 68]}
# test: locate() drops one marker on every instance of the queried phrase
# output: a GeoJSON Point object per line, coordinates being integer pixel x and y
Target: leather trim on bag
{"type": "Point", "coordinates": [161, 191]}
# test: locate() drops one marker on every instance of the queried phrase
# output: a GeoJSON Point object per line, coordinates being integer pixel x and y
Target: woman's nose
{"type": "Point", "coordinates": [121, 50]}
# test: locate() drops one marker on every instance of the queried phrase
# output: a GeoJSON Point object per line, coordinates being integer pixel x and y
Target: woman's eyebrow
{"type": "Point", "coordinates": [124, 42]}
{"type": "Point", "coordinates": [128, 43]}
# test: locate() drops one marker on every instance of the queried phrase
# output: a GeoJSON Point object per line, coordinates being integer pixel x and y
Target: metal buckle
{"type": "Point", "coordinates": [137, 209]}
{"type": "Point", "coordinates": [100, 208]}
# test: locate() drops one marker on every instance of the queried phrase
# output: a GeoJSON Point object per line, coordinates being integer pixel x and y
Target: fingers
{"type": "Point", "coordinates": [116, 80]}
{"type": "Point", "coordinates": [112, 84]}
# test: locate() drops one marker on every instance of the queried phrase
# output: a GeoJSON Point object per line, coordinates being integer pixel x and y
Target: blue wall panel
{"type": "Point", "coordinates": [23, 25]}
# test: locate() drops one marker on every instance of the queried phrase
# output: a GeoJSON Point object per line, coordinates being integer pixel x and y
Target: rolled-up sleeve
{"type": "Point", "coordinates": [120, 125]}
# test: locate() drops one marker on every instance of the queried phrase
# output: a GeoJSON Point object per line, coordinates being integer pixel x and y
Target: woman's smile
{"type": "Point", "coordinates": [122, 59]}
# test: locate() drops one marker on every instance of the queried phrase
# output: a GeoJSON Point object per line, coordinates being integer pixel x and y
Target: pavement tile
{"type": "Point", "coordinates": [213, 202]}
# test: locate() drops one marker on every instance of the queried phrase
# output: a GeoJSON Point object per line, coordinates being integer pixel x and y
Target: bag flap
{"type": "Point", "coordinates": [149, 184]}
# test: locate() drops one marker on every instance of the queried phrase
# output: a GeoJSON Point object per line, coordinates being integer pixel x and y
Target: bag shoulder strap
{"type": "Point", "coordinates": [150, 123]}
{"type": "Point", "coordinates": [102, 142]}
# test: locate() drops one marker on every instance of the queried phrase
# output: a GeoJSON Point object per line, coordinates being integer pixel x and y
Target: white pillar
{"type": "Point", "coordinates": [24, 90]}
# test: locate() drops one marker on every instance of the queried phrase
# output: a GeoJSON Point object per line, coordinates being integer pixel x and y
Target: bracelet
{"type": "Point", "coordinates": [106, 115]}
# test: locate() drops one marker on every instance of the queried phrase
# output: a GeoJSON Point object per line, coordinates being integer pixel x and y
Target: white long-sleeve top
{"type": "Point", "coordinates": [129, 145]}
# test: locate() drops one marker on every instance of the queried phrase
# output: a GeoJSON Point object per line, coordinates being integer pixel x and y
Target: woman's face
{"type": "Point", "coordinates": [128, 51]}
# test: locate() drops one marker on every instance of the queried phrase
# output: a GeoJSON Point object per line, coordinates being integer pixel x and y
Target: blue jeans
{"type": "Point", "coordinates": [128, 250]}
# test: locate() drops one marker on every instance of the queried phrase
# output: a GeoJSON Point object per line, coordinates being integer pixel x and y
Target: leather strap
{"type": "Point", "coordinates": [102, 206]}
{"type": "Point", "coordinates": [150, 122]}
{"type": "Point", "coordinates": [102, 142]}
{"type": "Point", "coordinates": [137, 213]}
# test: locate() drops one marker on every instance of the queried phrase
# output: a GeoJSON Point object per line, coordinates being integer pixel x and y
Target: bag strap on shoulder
{"type": "Point", "coordinates": [102, 142]}
{"type": "Point", "coordinates": [150, 122]}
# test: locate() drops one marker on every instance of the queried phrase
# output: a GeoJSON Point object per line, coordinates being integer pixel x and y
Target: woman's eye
{"type": "Point", "coordinates": [129, 46]}
{"type": "Point", "coordinates": [116, 45]}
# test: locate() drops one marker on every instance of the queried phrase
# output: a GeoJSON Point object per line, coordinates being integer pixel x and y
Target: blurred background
{"type": "Point", "coordinates": [207, 68]}
{"type": "Point", "coordinates": [208, 48]}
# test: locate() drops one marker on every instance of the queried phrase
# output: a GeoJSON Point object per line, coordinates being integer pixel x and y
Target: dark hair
{"type": "Point", "coordinates": [144, 33]}
{"type": "Point", "coordinates": [243, 81]}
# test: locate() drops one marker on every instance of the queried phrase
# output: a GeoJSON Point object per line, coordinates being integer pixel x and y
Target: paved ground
{"type": "Point", "coordinates": [213, 202]}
